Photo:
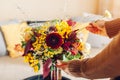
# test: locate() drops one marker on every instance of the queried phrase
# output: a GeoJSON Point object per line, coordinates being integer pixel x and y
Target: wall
{"type": "Point", "coordinates": [51, 9]}
{"type": "Point", "coordinates": [44, 9]}
{"type": "Point", "coordinates": [112, 5]}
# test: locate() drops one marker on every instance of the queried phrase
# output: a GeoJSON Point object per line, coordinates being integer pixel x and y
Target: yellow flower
{"type": "Point", "coordinates": [49, 54]}
{"type": "Point", "coordinates": [36, 68]}
{"type": "Point", "coordinates": [33, 62]}
{"type": "Point", "coordinates": [81, 46]}
{"type": "Point", "coordinates": [26, 59]}
{"type": "Point", "coordinates": [36, 61]}
{"type": "Point", "coordinates": [29, 55]}
{"type": "Point", "coordinates": [37, 47]}
{"type": "Point", "coordinates": [41, 31]}
{"type": "Point", "coordinates": [58, 51]}
{"type": "Point", "coordinates": [28, 36]}
{"type": "Point", "coordinates": [63, 28]}
{"type": "Point", "coordinates": [28, 29]}
{"type": "Point", "coordinates": [42, 39]}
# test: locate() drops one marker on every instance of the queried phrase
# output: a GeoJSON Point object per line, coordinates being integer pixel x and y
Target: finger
{"type": "Point", "coordinates": [93, 28]}
{"type": "Point", "coordinates": [61, 64]}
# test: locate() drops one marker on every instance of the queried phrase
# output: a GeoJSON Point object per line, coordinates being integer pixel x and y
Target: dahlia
{"type": "Point", "coordinates": [54, 40]}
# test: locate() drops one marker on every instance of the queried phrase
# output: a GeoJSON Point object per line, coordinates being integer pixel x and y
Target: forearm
{"type": "Point", "coordinates": [105, 64]}
{"type": "Point", "coordinates": [112, 27]}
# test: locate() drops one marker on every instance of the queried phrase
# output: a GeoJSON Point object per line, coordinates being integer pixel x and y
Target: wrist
{"type": "Point", "coordinates": [74, 67]}
{"type": "Point", "coordinates": [100, 23]}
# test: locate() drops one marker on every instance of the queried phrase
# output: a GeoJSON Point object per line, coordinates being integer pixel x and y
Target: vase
{"type": "Point", "coordinates": [40, 77]}
{"type": "Point", "coordinates": [51, 72]}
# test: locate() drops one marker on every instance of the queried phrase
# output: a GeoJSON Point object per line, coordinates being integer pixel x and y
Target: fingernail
{"type": "Point", "coordinates": [58, 62]}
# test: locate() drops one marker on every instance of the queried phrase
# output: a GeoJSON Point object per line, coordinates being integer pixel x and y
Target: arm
{"type": "Point", "coordinates": [112, 27]}
{"type": "Point", "coordinates": [105, 28]}
{"type": "Point", "coordinates": [104, 65]}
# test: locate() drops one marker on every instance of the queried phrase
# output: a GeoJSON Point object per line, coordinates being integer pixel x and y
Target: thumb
{"type": "Point", "coordinates": [61, 64]}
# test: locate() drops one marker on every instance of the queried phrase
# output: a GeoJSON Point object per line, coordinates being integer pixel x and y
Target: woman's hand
{"type": "Point", "coordinates": [97, 27]}
{"type": "Point", "coordinates": [63, 65]}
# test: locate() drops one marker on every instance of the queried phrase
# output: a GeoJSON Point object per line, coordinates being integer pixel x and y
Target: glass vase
{"type": "Point", "coordinates": [54, 74]}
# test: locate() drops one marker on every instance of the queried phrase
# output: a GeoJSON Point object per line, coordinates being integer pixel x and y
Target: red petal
{"type": "Point", "coordinates": [66, 45]}
{"type": "Point", "coordinates": [71, 22]}
{"type": "Point", "coordinates": [27, 47]}
{"type": "Point", "coordinates": [74, 51]}
{"type": "Point", "coordinates": [46, 67]}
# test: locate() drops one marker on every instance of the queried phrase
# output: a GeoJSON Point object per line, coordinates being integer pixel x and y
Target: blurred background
{"type": "Point", "coordinates": [43, 10]}
{"type": "Point", "coordinates": [12, 11]}
{"type": "Point", "coordinates": [51, 9]}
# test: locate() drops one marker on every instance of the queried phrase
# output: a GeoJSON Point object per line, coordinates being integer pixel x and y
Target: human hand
{"type": "Point", "coordinates": [63, 65]}
{"type": "Point", "coordinates": [71, 67]}
{"type": "Point", "coordinates": [97, 27]}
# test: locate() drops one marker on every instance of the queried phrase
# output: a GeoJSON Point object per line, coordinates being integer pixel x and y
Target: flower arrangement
{"type": "Point", "coordinates": [53, 40]}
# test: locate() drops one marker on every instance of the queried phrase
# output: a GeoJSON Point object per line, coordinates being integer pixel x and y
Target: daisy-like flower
{"type": "Point", "coordinates": [54, 40]}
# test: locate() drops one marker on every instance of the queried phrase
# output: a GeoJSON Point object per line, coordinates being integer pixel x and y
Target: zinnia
{"type": "Point", "coordinates": [54, 40]}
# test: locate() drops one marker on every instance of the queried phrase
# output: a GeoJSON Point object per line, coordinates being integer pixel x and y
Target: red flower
{"type": "Point", "coordinates": [46, 68]}
{"type": "Point", "coordinates": [52, 28]}
{"type": "Point", "coordinates": [71, 22]}
{"type": "Point", "coordinates": [72, 36]}
{"type": "Point", "coordinates": [54, 40]}
{"type": "Point", "coordinates": [66, 45]}
{"type": "Point", "coordinates": [74, 51]}
{"type": "Point", "coordinates": [28, 47]}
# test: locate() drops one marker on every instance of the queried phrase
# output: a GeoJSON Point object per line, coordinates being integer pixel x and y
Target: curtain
{"type": "Point", "coordinates": [111, 5]}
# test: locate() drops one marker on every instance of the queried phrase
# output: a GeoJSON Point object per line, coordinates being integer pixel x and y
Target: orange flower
{"type": "Point", "coordinates": [27, 36]}
{"type": "Point", "coordinates": [18, 48]}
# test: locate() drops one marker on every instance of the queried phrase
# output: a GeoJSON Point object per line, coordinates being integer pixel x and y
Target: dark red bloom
{"type": "Point", "coordinates": [52, 28]}
{"type": "Point", "coordinates": [46, 68]}
{"type": "Point", "coordinates": [71, 22]}
{"type": "Point", "coordinates": [66, 45]}
{"type": "Point", "coordinates": [27, 47]}
{"type": "Point", "coordinates": [36, 33]}
{"type": "Point", "coordinates": [54, 40]}
{"type": "Point", "coordinates": [72, 36]}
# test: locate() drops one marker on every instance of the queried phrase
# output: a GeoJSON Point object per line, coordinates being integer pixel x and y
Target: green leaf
{"type": "Point", "coordinates": [77, 56]}
{"type": "Point", "coordinates": [52, 68]}
{"type": "Point", "coordinates": [71, 57]}
{"type": "Point", "coordinates": [38, 66]}
{"type": "Point", "coordinates": [65, 58]}
{"type": "Point", "coordinates": [33, 38]}
{"type": "Point", "coordinates": [51, 50]}
{"type": "Point", "coordinates": [23, 43]}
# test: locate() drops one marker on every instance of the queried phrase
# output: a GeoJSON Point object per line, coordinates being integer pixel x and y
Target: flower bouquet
{"type": "Point", "coordinates": [52, 41]}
